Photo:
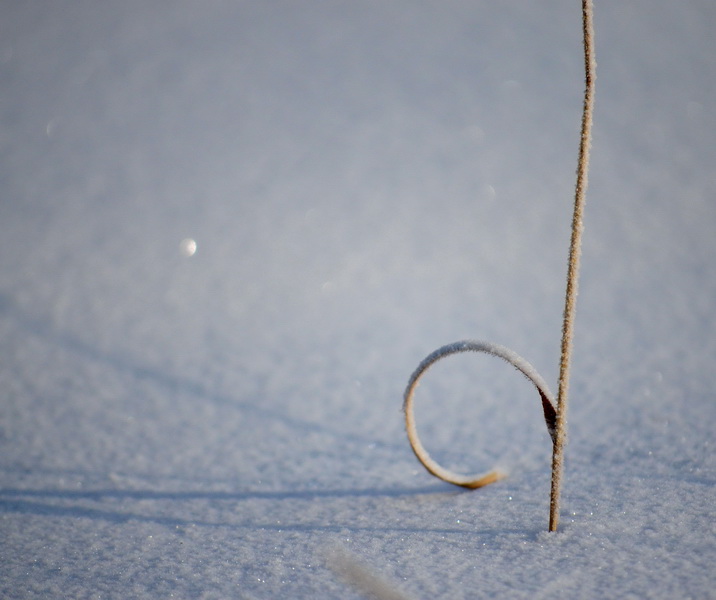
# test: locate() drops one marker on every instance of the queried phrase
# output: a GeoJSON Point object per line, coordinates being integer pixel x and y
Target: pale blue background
{"type": "Point", "coordinates": [365, 181]}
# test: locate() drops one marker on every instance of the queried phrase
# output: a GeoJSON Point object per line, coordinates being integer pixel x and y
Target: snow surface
{"type": "Point", "coordinates": [363, 182]}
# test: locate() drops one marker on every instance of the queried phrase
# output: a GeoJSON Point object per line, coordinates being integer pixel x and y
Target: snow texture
{"type": "Point", "coordinates": [229, 231]}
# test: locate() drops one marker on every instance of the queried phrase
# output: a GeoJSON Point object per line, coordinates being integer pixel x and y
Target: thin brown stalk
{"type": "Point", "coordinates": [555, 416]}
{"type": "Point", "coordinates": [573, 265]}
{"type": "Point", "coordinates": [361, 578]}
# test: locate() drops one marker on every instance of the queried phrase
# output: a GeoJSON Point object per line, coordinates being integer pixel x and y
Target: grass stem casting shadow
{"type": "Point", "coordinates": [555, 414]}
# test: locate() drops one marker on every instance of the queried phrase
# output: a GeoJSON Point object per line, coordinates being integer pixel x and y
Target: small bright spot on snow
{"type": "Point", "coordinates": [187, 247]}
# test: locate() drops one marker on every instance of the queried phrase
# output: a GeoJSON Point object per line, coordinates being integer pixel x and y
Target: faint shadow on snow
{"type": "Point", "coordinates": [21, 501]}
{"type": "Point", "coordinates": [43, 329]}
{"type": "Point", "coordinates": [438, 489]}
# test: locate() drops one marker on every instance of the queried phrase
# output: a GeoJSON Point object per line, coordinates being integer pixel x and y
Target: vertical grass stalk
{"type": "Point", "coordinates": [573, 265]}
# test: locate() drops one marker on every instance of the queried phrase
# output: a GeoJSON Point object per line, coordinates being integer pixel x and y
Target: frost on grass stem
{"type": "Point", "coordinates": [519, 363]}
{"type": "Point", "coordinates": [555, 414]}
{"type": "Point", "coordinates": [570, 302]}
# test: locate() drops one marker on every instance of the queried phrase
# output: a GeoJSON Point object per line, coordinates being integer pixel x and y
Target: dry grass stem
{"type": "Point", "coordinates": [362, 579]}
{"type": "Point", "coordinates": [555, 414]}
{"type": "Point", "coordinates": [573, 265]}
{"type": "Point", "coordinates": [470, 481]}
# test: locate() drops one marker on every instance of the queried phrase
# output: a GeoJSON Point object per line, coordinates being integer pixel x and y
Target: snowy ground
{"type": "Point", "coordinates": [365, 181]}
